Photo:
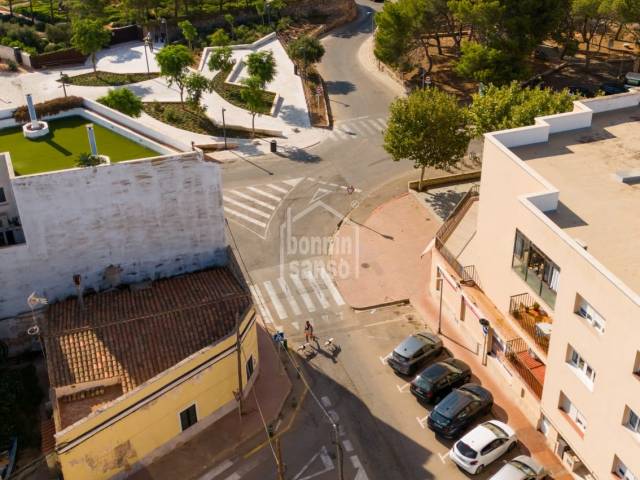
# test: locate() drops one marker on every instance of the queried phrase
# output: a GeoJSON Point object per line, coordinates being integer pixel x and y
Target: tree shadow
{"type": "Point", "coordinates": [293, 115]}
{"type": "Point", "coordinates": [340, 87]}
{"type": "Point", "coordinates": [298, 155]}
{"type": "Point", "coordinates": [444, 202]}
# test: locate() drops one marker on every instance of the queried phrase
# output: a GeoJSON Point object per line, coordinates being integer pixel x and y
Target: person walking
{"type": "Point", "coordinates": [308, 331]}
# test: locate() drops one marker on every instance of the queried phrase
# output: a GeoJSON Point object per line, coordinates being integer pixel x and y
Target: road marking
{"type": "Point", "coordinates": [301, 290]}
{"type": "Point", "coordinates": [214, 472]}
{"type": "Point", "coordinates": [422, 421]}
{"type": "Point", "coordinates": [264, 311]}
{"type": "Point", "coordinates": [401, 388]}
{"type": "Point", "coordinates": [374, 123]}
{"type": "Point", "coordinates": [246, 468]}
{"type": "Point", "coordinates": [382, 122]}
{"type": "Point", "coordinates": [316, 289]}
{"type": "Point", "coordinates": [334, 416]}
{"type": "Point", "coordinates": [244, 217]}
{"type": "Point", "coordinates": [275, 429]}
{"type": "Point", "coordinates": [254, 200]}
{"type": "Point", "coordinates": [247, 207]}
{"type": "Point", "coordinates": [296, 325]}
{"type": "Point", "coordinates": [367, 127]}
{"type": "Point", "coordinates": [327, 463]}
{"type": "Point", "coordinates": [282, 313]}
{"type": "Point", "coordinates": [287, 293]}
{"type": "Point", "coordinates": [326, 402]}
{"type": "Point", "coordinates": [383, 360]}
{"type": "Point", "coordinates": [361, 474]}
{"type": "Point", "coordinates": [265, 194]}
{"type": "Point", "coordinates": [347, 445]}
{"type": "Point", "coordinates": [292, 182]}
{"type": "Point", "coordinates": [331, 287]}
{"type": "Point", "coordinates": [443, 458]}
{"type": "Point", "coordinates": [277, 188]}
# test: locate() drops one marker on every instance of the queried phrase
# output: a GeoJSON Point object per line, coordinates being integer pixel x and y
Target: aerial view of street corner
{"type": "Point", "coordinates": [330, 239]}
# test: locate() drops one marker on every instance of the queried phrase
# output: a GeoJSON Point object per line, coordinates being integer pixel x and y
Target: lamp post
{"type": "Point", "coordinates": [224, 128]}
{"type": "Point", "coordinates": [147, 40]}
{"type": "Point", "coordinates": [63, 79]}
{"type": "Point", "coordinates": [486, 330]}
{"type": "Point", "coordinates": [163, 21]}
{"type": "Point", "coordinates": [439, 285]}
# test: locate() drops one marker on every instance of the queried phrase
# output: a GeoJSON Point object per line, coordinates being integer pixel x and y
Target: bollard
{"type": "Point", "coordinates": [274, 146]}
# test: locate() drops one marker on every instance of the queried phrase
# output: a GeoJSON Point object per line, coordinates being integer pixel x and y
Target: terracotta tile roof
{"type": "Point", "coordinates": [135, 334]}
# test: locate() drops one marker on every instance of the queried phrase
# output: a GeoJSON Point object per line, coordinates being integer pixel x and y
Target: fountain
{"type": "Point", "coordinates": [35, 128]}
{"type": "Point", "coordinates": [94, 146]}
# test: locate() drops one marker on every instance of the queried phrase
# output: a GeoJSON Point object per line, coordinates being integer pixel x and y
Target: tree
{"type": "Point", "coordinates": [89, 9]}
{"type": "Point", "coordinates": [589, 16]}
{"type": "Point", "coordinates": [219, 38]}
{"type": "Point", "coordinates": [488, 65]}
{"type": "Point", "coordinates": [123, 100]}
{"type": "Point", "coordinates": [89, 36]}
{"type": "Point", "coordinates": [231, 21]}
{"type": "Point", "coordinates": [393, 35]}
{"type": "Point", "coordinates": [220, 59]}
{"type": "Point", "coordinates": [429, 128]}
{"type": "Point", "coordinates": [629, 13]}
{"type": "Point", "coordinates": [189, 32]}
{"type": "Point", "coordinates": [251, 94]}
{"type": "Point", "coordinates": [510, 106]}
{"type": "Point", "coordinates": [306, 50]}
{"type": "Point", "coordinates": [261, 8]}
{"type": "Point", "coordinates": [196, 85]}
{"type": "Point", "coordinates": [174, 61]}
{"type": "Point", "coordinates": [262, 66]}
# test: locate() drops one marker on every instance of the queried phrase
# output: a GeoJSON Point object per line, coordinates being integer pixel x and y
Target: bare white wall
{"type": "Point", "coordinates": [153, 218]}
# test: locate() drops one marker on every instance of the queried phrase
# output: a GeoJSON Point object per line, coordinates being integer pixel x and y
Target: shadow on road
{"type": "Point", "coordinates": [340, 87]}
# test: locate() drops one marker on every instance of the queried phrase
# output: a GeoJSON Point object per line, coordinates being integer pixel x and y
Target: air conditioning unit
{"type": "Point", "coordinates": [571, 460]}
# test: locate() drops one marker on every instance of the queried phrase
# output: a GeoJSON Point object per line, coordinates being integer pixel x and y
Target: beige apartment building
{"type": "Point", "coordinates": [547, 251]}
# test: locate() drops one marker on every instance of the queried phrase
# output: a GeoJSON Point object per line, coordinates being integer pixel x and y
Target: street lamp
{"type": "Point", "coordinates": [163, 21]}
{"type": "Point", "coordinates": [63, 79]}
{"type": "Point", "coordinates": [147, 41]}
{"type": "Point", "coordinates": [439, 285]}
{"type": "Point", "coordinates": [224, 128]}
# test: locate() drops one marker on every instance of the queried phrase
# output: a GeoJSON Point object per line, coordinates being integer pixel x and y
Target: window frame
{"type": "Point", "coordinates": [193, 407]}
{"type": "Point", "coordinates": [580, 366]}
{"type": "Point", "coordinates": [590, 315]}
{"type": "Point", "coordinates": [576, 416]}
{"type": "Point", "coordinates": [634, 426]}
{"type": "Point", "coordinates": [249, 367]}
{"type": "Point", "coordinates": [620, 470]}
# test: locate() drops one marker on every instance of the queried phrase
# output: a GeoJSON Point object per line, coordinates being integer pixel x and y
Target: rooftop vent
{"type": "Point", "coordinates": [630, 177]}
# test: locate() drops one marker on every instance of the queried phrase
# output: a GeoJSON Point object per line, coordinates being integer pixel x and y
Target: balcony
{"type": "Point", "coordinates": [531, 318]}
{"type": "Point", "coordinates": [530, 368]}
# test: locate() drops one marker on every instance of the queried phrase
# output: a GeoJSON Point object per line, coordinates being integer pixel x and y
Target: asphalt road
{"type": "Point", "coordinates": [282, 212]}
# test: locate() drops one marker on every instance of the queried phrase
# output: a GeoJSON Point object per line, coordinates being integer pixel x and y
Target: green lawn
{"type": "Point", "coordinates": [60, 149]}
{"type": "Point", "coordinates": [108, 79]}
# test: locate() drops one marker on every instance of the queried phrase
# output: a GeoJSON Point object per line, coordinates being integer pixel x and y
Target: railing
{"type": "Point", "coordinates": [457, 213]}
{"type": "Point", "coordinates": [521, 308]}
{"type": "Point", "coordinates": [450, 258]}
{"type": "Point", "coordinates": [514, 348]}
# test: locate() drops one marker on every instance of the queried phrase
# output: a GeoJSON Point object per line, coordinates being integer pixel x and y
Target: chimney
{"type": "Point", "coordinates": [77, 281]}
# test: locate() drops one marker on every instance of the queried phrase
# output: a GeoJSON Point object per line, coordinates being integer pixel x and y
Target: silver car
{"type": "Point", "coordinates": [522, 467]}
{"type": "Point", "coordinates": [414, 351]}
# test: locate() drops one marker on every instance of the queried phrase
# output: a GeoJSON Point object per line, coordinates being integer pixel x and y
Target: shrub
{"type": "Point", "coordinates": [51, 47]}
{"type": "Point", "coordinates": [169, 115]}
{"type": "Point", "coordinates": [122, 100]}
{"type": "Point", "coordinates": [59, 33]}
{"type": "Point", "coordinates": [283, 24]}
{"type": "Point", "coordinates": [48, 108]}
{"type": "Point", "coordinates": [88, 160]}
{"type": "Point", "coordinates": [218, 38]}
{"type": "Point", "coordinates": [13, 66]}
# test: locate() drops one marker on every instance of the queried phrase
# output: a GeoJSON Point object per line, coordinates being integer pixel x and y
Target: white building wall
{"type": "Point", "coordinates": [152, 218]}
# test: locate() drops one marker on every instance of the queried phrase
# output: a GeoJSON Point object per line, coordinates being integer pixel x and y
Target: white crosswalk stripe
{"type": "Point", "coordinates": [287, 292]}
{"type": "Point", "coordinates": [275, 301]}
{"type": "Point", "coordinates": [253, 207]}
{"type": "Point", "coordinates": [363, 127]}
{"type": "Point", "coordinates": [303, 293]}
{"type": "Point", "coordinates": [331, 287]}
{"type": "Point", "coordinates": [259, 301]}
{"type": "Point", "coordinates": [316, 289]}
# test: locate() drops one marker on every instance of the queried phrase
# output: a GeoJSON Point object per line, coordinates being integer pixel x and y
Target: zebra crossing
{"type": "Point", "coordinates": [364, 127]}
{"type": "Point", "coordinates": [254, 206]}
{"type": "Point", "coordinates": [295, 295]}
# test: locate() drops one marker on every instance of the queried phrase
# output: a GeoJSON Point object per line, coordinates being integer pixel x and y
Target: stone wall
{"type": "Point", "coordinates": [151, 218]}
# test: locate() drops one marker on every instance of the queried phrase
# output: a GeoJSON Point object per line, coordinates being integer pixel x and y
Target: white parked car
{"type": "Point", "coordinates": [483, 445]}
{"type": "Point", "coordinates": [522, 467]}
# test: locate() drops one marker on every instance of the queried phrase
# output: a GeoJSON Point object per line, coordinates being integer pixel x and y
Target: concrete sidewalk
{"type": "Point", "coordinates": [230, 435]}
{"type": "Point", "coordinates": [386, 254]}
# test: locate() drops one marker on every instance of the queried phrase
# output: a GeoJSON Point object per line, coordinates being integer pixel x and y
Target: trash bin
{"type": "Point", "coordinates": [274, 146]}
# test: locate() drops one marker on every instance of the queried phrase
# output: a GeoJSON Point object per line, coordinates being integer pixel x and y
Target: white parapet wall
{"type": "Point", "coordinates": [152, 218]}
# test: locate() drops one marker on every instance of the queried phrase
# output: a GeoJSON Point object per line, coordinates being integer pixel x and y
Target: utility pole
{"type": "Point", "coordinates": [239, 350]}
{"type": "Point", "coordinates": [440, 284]}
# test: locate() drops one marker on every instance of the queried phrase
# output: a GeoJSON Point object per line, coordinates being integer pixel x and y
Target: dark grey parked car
{"type": "Point", "coordinates": [436, 381]}
{"type": "Point", "coordinates": [415, 351]}
{"type": "Point", "coordinates": [459, 409]}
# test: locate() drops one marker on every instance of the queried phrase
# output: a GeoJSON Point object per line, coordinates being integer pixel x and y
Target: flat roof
{"type": "Point", "coordinates": [595, 206]}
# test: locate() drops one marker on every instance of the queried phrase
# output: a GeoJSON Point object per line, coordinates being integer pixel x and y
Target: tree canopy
{"type": "Point", "coordinates": [123, 100]}
{"type": "Point", "coordinates": [252, 96]}
{"type": "Point", "coordinates": [89, 36]}
{"type": "Point", "coordinates": [174, 61]}
{"type": "Point", "coordinates": [189, 32]}
{"type": "Point", "coordinates": [262, 66]}
{"type": "Point", "coordinates": [220, 58]}
{"type": "Point", "coordinates": [306, 50]}
{"type": "Point", "coordinates": [510, 106]}
{"type": "Point", "coordinates": [428, 128]}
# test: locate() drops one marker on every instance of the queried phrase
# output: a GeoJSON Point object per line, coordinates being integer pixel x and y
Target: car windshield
{"type": "Point", "coordinates": [440, 419]}
{"type": "Point", "coordinates": [472, 394]}
{"type": "Point", "coordinates": [496, 430]}
{"type": "Point", "coordinates": [466, 450]}
{"type": "Point", "coordinates": [422, 382]}
{"type": "Point", "coordinates": [523, 467]}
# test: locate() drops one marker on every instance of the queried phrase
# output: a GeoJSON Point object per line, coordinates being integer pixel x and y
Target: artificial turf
{"type": "Point", "coordinates": [66, 140]}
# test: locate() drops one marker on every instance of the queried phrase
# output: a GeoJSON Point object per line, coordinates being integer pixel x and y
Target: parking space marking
{"type": "Point", "coordinates": [443, 458]}
{"type": "Point", "coordinates": [422, 421]}
{"type": "Point", "coordinates": [216, 471]}
{"type": "Point", "coordinates": [383, 360]}
{"type": "Point", "coordinates": [347, 445]}
{"type": "Point", "coordinates": [401, 389]}
{"type": "Point", "coordinates": [326, 402]}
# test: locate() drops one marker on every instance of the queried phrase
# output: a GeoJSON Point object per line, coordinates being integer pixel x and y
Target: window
{"type": "Point", "coordinates": [536, 269]}
{"type": "Point", "coordinates": [636, 365]}
{"type": "Point", "coordinates": [620, 470]}
{"type": "Point", "coordinates": [249, 367]}
{"type": "Point", "coordinates": [584, 371]}
{"type": "Point", "coordinates": [3, 197]}
{"type": "Point", "coordinates": [572, 412]}
{"type": "Point", "coordinates": [632, 421]}
{"type": "Point", "coordinates": [586, 311]}
{"type": "Point", "coordinates": [188, 417]}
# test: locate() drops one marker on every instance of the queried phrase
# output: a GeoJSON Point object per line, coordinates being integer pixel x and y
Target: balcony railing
{"type": "Point", "coordinates": [532, 318]}
{"type": "Point", "coordinates": [457, 213]}
{"type": "Point", "coordinates": [530, 368]}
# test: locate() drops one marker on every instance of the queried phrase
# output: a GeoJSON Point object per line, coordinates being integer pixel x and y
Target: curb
{"type": "Point", "coordinates": [404, 301]}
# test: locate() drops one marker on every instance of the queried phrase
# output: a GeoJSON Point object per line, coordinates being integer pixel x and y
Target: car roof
{"type": "Point", "coordinates": [633, 75]}
{"type": "Point", "coordinates": [478, 390]}
{"type": "Point", "coordinates": [413, 343]}
{"type": "Point", "coordinates": [511, 472]}
{"type": "Point", "coordinates": [453, 403]}
{"type": "Point", "coordinates": [480, 436]}
{"type": "Point", "coordinates": [434, 372]}
{"type": "Point", "coordinates": [457, 363]}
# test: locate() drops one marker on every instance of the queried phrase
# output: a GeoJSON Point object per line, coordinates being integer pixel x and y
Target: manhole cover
{"type": "Point", "coordinates": [364, 265]}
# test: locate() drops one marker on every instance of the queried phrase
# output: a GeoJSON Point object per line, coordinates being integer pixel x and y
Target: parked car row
{"type": "Point", "coordinates": [458, 403]}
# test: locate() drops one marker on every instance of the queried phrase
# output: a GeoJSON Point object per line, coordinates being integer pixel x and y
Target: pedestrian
{"type": "Point", "coordinates": [308, 331]}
